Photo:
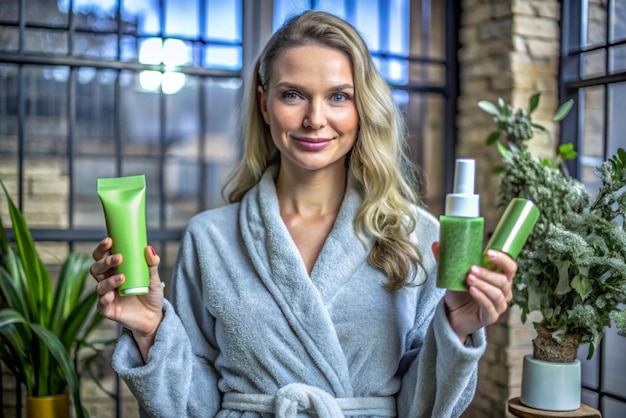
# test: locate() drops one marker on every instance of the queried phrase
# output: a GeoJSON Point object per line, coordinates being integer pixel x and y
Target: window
{"type": "Point", "coordinates": [102, 88]}
{"type": "Point", "coordinates": [593, 73]}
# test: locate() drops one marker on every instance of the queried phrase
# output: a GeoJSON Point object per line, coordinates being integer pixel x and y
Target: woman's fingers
{"type": "Point", "coordinates": [102, 249]}
{"type": "Point", "coordinates": [108, 284]}
{"type": "Point", "coordinates": [153, 261]}
{"type": "Point", "coordinates": [103, 268]}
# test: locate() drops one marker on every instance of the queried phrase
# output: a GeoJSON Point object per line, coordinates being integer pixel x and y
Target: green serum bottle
{"type": "Point", "coordinates": [461, 230]}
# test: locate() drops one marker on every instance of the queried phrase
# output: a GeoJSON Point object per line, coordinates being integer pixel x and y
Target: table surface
{"type": "Point", "coordinates": [521, 410]}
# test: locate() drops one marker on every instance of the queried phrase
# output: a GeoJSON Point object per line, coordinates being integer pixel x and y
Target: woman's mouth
{"type": "Point", "coordinates": [313, 144]}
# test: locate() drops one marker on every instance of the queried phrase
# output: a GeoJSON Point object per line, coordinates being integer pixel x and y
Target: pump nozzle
{"type": "Point", "coordinates": [462, 201]}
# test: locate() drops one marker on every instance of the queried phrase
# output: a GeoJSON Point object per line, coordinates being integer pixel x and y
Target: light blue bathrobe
{"type": "Point", "coordinates": [248, 333]}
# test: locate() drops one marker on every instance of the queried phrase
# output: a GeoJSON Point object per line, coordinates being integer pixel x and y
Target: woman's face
{"type": "Point", "coordinates": [310, 109]}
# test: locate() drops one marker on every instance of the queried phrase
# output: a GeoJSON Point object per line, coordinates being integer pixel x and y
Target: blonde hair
{"type": "Point", "coordinates": [378, 161]}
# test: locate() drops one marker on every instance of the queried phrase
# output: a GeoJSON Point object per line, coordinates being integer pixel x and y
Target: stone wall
{"type": "Point", "coordinates": [509, 49]}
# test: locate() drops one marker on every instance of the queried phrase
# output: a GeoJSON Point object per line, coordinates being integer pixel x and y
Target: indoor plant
{"type": "Point", "coordinates": [572, 268]}
{"type": "Point", "coordinates": [43, 326]}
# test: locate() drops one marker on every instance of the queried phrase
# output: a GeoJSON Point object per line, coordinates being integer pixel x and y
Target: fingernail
{"type": "Point", "coordinates": [475, 269]}
{"type": "Point", "coordinates": [115, 258]}
{"type": "Point", "coordinates": [492, 255]}
{"type": "Point", "coordinates": [152, 249]}
{"type": "Point", "coordinates": [119, 278]}
{"type": "Point", "coordinates": [104, 241]}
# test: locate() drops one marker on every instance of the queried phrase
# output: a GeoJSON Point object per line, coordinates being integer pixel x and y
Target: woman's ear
{"type": "Point", "coordinates": [262, 100]}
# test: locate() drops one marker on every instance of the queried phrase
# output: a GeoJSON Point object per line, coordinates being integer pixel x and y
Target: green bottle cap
{"type": "Point", "coordinates": [514, 228]}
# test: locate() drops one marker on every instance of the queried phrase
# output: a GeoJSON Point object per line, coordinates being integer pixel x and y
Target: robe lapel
{"type": "Point", "coordinates": [282, 271]}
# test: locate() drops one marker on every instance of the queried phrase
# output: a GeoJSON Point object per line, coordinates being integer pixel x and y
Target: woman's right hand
{"type": "Point", "coordinates": [142, 314]}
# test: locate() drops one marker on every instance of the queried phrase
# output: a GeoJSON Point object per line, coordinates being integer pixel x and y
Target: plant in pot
{"type": "Point", "coordinates": [572, 268]}
{"type": "Point", "coordinates": [43, 326]}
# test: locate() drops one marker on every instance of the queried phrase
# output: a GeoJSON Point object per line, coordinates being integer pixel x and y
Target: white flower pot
{"type": "Point", "coordinates": [551, 386]}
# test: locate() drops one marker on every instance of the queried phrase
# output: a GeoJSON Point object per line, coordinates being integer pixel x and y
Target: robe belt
{"type": "Point", "coordinates": [297, 397]}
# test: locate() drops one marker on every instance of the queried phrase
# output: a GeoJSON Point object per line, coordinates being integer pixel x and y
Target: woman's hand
{"type": "Point", "coordinates": [141, 314]}
{"type": "Point", "coordinates": [489, 295]}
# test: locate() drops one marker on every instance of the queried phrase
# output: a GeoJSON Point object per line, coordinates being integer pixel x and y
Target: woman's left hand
{"type": "Point", "coordinates": [489, 295]}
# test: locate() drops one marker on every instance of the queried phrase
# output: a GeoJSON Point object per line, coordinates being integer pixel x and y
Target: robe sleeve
{"type": "Point", "coordinates": [179, 379]}
{"type": "Point", "coordinates": [440, 372]}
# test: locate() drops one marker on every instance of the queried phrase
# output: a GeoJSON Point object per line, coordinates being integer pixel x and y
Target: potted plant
{"type": "Point", "coordinates": [572, 268]}
{"type": "Point", "coordinates": [42, 326]}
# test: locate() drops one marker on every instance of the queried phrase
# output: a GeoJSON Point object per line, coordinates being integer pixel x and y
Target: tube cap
{"type": "Point", "coordinates": [514, 227]}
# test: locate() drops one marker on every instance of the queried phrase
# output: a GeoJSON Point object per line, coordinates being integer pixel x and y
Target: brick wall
{"type": "Point", "coordinates": [509, 49]}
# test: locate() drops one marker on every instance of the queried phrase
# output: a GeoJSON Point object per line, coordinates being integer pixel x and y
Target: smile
{"type": "Point", "coordinates": [313, 144]}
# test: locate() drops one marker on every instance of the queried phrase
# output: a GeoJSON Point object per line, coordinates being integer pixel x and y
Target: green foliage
{"type": "Point", "coordinates": [572, 268]}
{"type": "Point", "coordinates": [41, 327]}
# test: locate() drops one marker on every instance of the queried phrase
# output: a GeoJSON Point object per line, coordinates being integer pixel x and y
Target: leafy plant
{"type": "Point", "coordinates": [42, 328]}
{"type": "Point", "coordinates": [572, 268]}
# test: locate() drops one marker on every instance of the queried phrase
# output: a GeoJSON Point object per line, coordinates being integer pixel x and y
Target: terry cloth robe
{"type": "Point", "coordinates": [248, 333]}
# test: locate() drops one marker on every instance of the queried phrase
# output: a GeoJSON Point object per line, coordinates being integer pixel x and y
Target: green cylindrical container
{"type": "Point", "coordinates": [124, 203]}
{"type": "Point", "coordinates": [460, 247]}
{"type": "Point", "coordinates": [513, 229]}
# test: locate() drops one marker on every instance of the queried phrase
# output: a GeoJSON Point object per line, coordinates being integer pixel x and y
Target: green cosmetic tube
{"type": "Point", "coordinates": [460, 230]}
{"type": "Point", "coordinates": [513, 229]}
{"type": "Point", "coordinates": [124, 203]}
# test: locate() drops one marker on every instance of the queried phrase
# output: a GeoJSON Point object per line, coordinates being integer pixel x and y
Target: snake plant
{"type": "Point", "coordinates": [43, 325]}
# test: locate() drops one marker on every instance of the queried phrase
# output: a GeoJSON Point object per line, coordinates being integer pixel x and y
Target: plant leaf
{"type": "Point", "coordinates": [493, 137]}
{"type": "Point", "coordinates": [64, 362]}
{"type": "Point", "coordinates": [563, 110]}
{"type": "Point", "coordinates": [533, 102]}
{"type": "Point", "coordinates": [489, 107]}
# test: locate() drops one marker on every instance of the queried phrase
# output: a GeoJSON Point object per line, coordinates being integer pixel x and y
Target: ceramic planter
{"type": "Point", "coordinates": [551, 386]}
{"type": "Point", "coordinates": [56, 406]}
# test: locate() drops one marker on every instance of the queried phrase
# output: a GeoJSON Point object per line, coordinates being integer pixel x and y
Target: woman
{"type": "Point", "coordinates": [314, 291]}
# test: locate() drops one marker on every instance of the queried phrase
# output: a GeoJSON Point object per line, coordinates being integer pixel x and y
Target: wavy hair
{"type": "Point", "coordinates": [378, 162]}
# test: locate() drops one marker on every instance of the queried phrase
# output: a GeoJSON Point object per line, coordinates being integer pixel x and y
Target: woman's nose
{"type": "Point", "coordinates": [315, 117]}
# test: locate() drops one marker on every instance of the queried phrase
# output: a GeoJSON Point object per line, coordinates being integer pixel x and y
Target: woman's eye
{"type": "Point", "coordinates": [339, 97]}
{"type": "Point", "coordinates": [290, 95]}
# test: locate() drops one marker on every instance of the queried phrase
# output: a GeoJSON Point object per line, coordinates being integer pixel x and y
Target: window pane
{"type": "Point", "coordinates": [617, 122]}
{"type": "Point", "coordinates": [223, 57]}
{"type": "Point", "coordinates": [95, 111]}
{"type": "Point", "coordinates": [593, 120]}
{"type": "Point", "coordinates": [618, 20]}
{"type": "Point", "coordinates": [46, 109]}
{"type": "Point", "coordinates": [87, 207]}
{"type": "Point", "coordinates": [46, 190]}
{"type": "Point", "coordinates": [613, 407]}
{"type": "Point", "coordinates": [593, 63]}
{"type": "Point", "coordinates": [335, 7]}
{"type": "Point", "coordinates": [221, 145]}
{"type": "Point", "coordinates": [368, 22]}
{"type": "Point", "coordinates": [10, 10]}
{"type": "Point", "coordinates": [618, 59]}
{"type": "Point", "coordinates": [8, 131]}
{"type": "Point", "coordinates": [426, 145]}
{"type": "Point", "coordinates": [590, 398]}
{"type": "Point", "coordinates": [590, 368]}
{"type": "Point", "coordinates": [145, 14]}
{"type": "Point", "coordinates": [284, 9]}
{"type": "Point", "coordinates": [181, 18]}
{"type": "Point", "coordinates": [46, 12]}
{"type": "Point", "coordinates": [9, 39]}
{"type": "Point", "coordinates": [223, 19]}
{"type": "Point", "coordinates": [140, 127]}
{"type": "Point", "coordinates": [45, 41]}
{"type": "Point", "coordinates": [596, 23]}
{"type": "Point", "coordinates": [181, 171]}
{"type": "Point", "coordinates": [614, 367]}
{"type": "Point", "coordinates": [95, 46]}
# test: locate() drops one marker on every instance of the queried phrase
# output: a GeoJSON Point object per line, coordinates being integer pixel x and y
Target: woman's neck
{"type": "Point", "coordinates": [310, 194]}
